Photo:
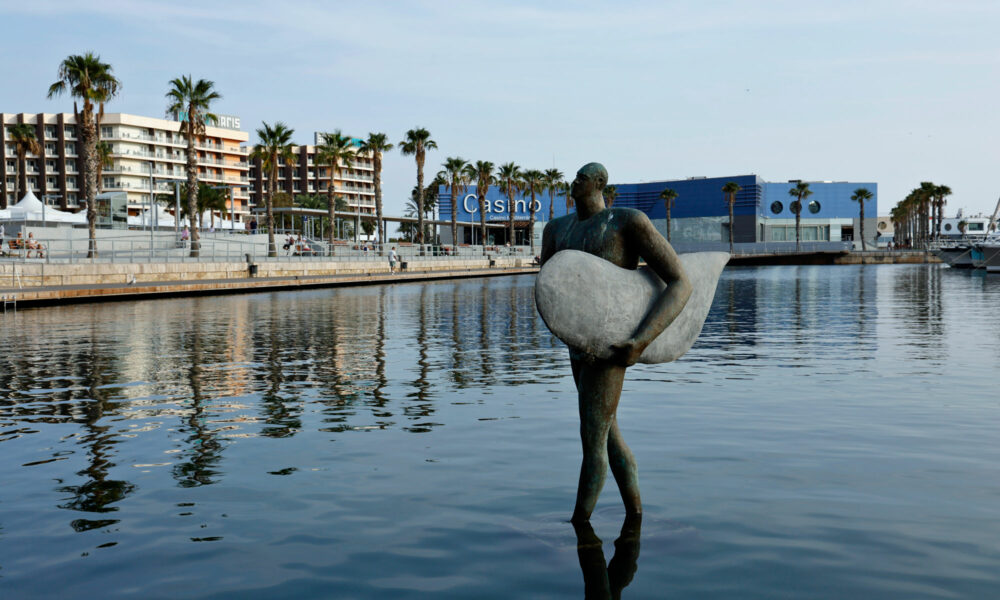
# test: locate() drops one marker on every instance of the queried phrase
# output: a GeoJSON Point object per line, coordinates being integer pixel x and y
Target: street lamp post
{"type": "Point", "coordinates": [151, 192]}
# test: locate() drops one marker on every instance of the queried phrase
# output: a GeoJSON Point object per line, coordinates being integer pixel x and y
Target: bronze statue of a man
{"type": "Point", "coordinates": [622, 236]}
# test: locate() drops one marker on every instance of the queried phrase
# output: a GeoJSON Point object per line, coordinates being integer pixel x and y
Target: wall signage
{"type": "Point", "coordinates": [471, 205]}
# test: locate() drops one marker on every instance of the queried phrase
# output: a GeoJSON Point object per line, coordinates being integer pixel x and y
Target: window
{"type": "Point", "coordinates": [50, 182]}
{"type": "Point", "coordinates": [109, 182]}
{"type": "Point", "coordinates": [70, 148]}
{"type": "Point", "coordinates": [71, 198]}
{"type": "Point", "coordinates": [71, 166]}
{"type": "Point", "coordinates": [947, 226]}
{"type": "Point", "coordinates": [107, 132]}
{"type": "Point", "coordinates": [50, 132]}
{"type": "Point", "coordinates": [814, 207]}
{"type": "Point", "coordinates": [777, 207]}
{"type": "Point", "coordinates": [69, 131]}
{"type": "Point", "coordinates": [71, 182]}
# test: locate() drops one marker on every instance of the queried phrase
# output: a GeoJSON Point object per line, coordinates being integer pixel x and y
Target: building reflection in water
{"type": "Point", "coordinates": [193, 376]}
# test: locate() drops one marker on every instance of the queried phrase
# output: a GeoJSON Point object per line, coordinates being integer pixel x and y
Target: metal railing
{"type": "Point", "coordinates": [757, 248]}
{"type": "Point", "coordinates": [223, 246]}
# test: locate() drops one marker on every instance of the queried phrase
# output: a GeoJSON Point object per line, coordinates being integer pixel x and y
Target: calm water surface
{"type": "Point", "coordinates": [834, 433]}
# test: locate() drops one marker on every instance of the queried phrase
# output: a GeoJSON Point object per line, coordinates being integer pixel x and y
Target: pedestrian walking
{"type": "Point", "coordinates": [392, 260]}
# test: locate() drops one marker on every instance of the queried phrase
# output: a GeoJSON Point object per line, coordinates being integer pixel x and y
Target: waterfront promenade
{"type": "Point", "coordinates": [122, 274]}
{"type": "Point", "coordinates": [37, 283]}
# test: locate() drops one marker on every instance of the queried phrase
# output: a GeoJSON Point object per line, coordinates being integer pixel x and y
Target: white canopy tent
{"type": "Point", "coordinates": [160, 218]}
{"type": "Point", "coordinates": [31, 208]}
{"type": "Point", "coordinates": [165, 219]}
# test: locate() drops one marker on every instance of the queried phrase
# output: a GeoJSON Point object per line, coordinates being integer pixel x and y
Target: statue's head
{"type": "Point", "coordinates": [592, 177]}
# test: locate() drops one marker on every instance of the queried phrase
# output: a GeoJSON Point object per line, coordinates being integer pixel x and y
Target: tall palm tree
{"type": "Point", "coordinates": [335, 149]}
{"type": "Point", "coordinates": [567, 189]}
{"type": "Point", "coordinates": [610, 195]}
{"type": "Point", "coordinates": [941, 193]}
{"type": "Point", "coordinates": [104, 161]}
{"type": "Point", "coordinates": [457, 182]}
{"type": "Point", "coordinates": [192, 100]}
{"type": "Point", "coordinates": [508, 179]}
{"type": "Point", "coordinates": [274, 145]}
{"type": "Point", "coordinates": [860, 196]}
{"type": "Point", "coordinates": [25, 142]}
{"type": "Point", "coordinates": [730, 190]}
{"type": "Point", "coordinates": [376, 144]}
{"type": "Point", "coordinates": [800, 192]}
{"type": "Point", "coordinates": [416, 143]}
{"type": "Point", "coordinates": [553, 183]}
{"type": "Point", "coordinates": [87, 79]}
{"type": "Point", "coordinates": [927, 193]}
{"type": "Point", "coordinates": [668, 196]}
{"type": "Point", "coordinates": [482, 172]}
{"type": "Point", "coordinates": [533, 181]}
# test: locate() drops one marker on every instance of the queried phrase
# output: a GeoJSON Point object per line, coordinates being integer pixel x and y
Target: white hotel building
{"type": "Point", "coordinates": [137, 144]}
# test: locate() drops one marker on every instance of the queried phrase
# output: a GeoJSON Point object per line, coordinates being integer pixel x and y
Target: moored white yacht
{"type": "Point", "coordinates": [957, 255]}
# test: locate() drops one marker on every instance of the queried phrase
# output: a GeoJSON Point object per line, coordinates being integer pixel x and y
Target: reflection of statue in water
{"type": "Point", "coordinates": [602, 580]}
{"type": "Point", "coordinates": [621, 236]}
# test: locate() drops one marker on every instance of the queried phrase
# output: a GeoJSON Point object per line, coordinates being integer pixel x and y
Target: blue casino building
{"type": "Point", "coordinates": [699, 214]}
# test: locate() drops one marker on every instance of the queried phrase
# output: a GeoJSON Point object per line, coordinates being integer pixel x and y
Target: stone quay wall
{"type": "Point", "coordinates": [53, 282]}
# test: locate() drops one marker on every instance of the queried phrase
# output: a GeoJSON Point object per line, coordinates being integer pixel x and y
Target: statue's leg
{"type": "Point", "coordinates": [599, 386]}
{"type": "Point", "coordinates": [624, 469]}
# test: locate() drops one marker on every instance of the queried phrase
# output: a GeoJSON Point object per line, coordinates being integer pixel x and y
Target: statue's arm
{"type": "Point", "coordinates": [548, 242]}
{"type": "Point", "coordinates": [661, 258]}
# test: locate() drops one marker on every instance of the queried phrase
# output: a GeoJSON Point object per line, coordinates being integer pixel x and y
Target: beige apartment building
{"type": "Point", "coordinates": [145, 152]}
{"type": "Point", "coordinates": [305, 176]}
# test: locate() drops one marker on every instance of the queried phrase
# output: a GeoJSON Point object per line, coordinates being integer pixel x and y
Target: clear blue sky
{"type": "Point", "coordinates": [888, 91]}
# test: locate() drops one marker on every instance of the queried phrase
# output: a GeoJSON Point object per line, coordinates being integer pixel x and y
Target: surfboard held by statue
{"type": "Point", "coordinates": [590, 303]}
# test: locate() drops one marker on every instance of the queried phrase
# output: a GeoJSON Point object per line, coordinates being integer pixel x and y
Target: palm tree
{"type": "Point", "coordinates": [553, 183]}
{"type": "Point", "coordinates": [192, 101]}
{"type": "Point", "coordinates": [315, 202]}
{"type": "Point", "coordinates": [610, 195]}
{"type": "Point", "coordinates": [334, 150]}
{"type": "Point", "coordinates": [25, 142]}
{"type": "Point", "coordinates": [86, 78]}
{"type": "Point", "coordinates": [416, 143]}
{"type": "Point", "coordinates": [668, 196]}
{"type": "Point", "coordinates": [800, 192]}
{"type": "Point", "coordinates": [508, 178]}
{"type": "Point", "coordinates": [215, 200]}
{"type": "Point", "coordinates": [730, 190]}
{"type": "Point", "coordinates": [927, 192]}
{"type": "Point", "coordinates": [482, 172]}
{"type": "Point", "coordinates": [274, 145]}
{"type": "Point", "coordinates": [104, 161]}
{"type": "Point", "coordinates": [962, 225]}
{"type": "Point", "coordinates": [860, 195]}
{"type": "Point", "coordinates": [376, 144]}
{"type": "Point", "coordinates": [533, 181]}
{"type": "Point", "coordinates": [567, 188]}
{"type": "Point", "coordinates": [457, 182]}
{"type": "Point", "coordinates": [941, 192]}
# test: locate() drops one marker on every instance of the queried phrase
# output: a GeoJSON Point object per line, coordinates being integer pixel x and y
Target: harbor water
{"type": "Point", "coordinates": [834, 433]}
